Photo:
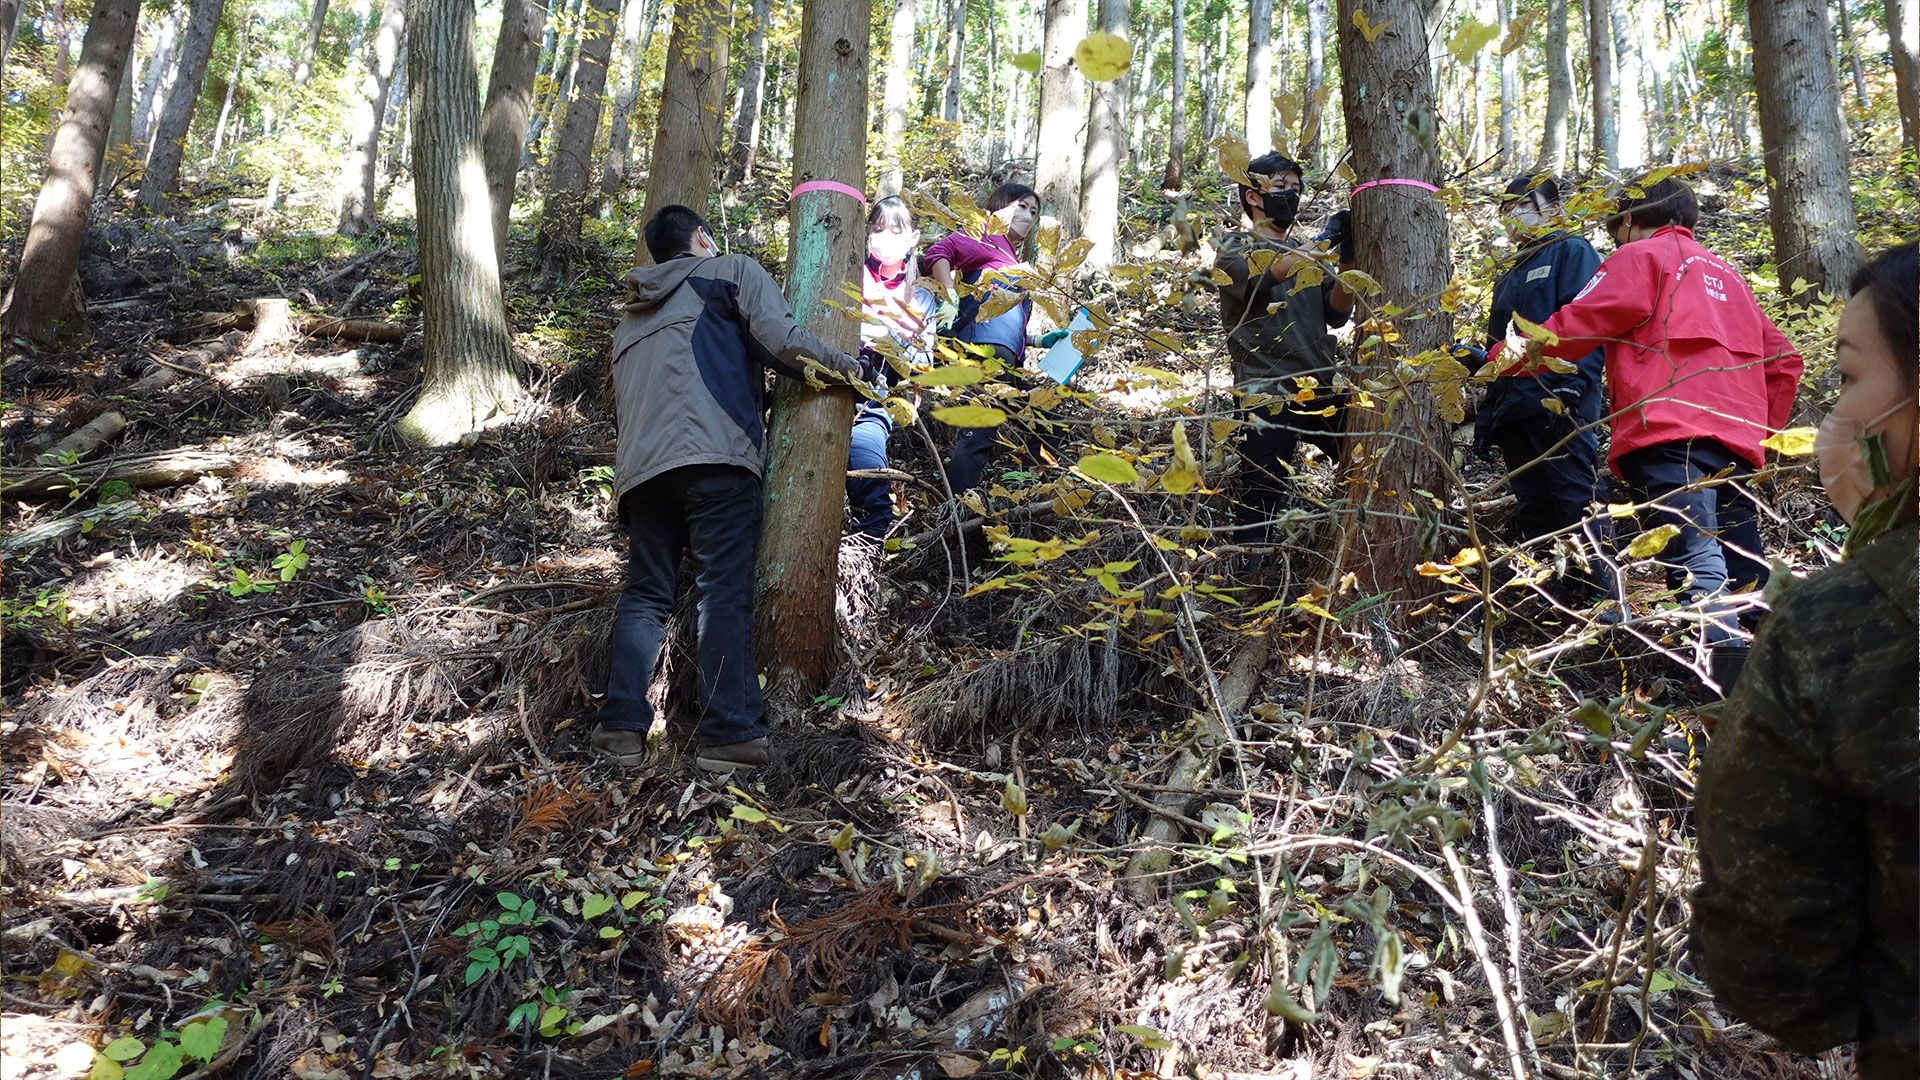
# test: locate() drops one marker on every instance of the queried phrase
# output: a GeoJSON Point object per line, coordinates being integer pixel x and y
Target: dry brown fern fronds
{"type": "Point", "coordinates": [556, 804]}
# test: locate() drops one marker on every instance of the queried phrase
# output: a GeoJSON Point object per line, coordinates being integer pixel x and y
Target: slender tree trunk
{"type": "Point", "coordinates": [503, 123]}
{"type": "Point", "coordinates": [1632, 120]}
{"type": "Point", "coordinates": [746, 115]}
{"type": "Point", "coordinates": [807, 440]}
{"type": "Point", "coordinates": [1402, 244]}
{"type": "Point", "coordinates": [613, 178]}
{"type": "Point", "coordinates": [9, 29]}
{"type": "Point", "coordinates": [571, 172]}
{"type": "Point", "coordinates": [1259, 100]}
{"type": "Point", "coordinates": [1853, 54]}
{"type": "Point", "coordinates": [1509, 151]}
{"type": "Point", "coordinates": [1737, 66]}
{"type": "Point", "coordinates": [1140, 102]}
{"type": "Point", "coordinates": [550, 92]}
{"type": "Point", "coordinates": [360, 173]}
{"type": "Point", "coordinates": [469, 373]}
{"type": "Point", "coordinates": [893, 99]}
{"type": "Point", "coordinates": [1903, 42]}
{"type": "Point", "coordinates": [46, 289]}
{"type": "Point", "coordinates": [316, 25]}
{"type": "Point", "coordinates": [157, 69]}
{"type": "Point", "coordinates": [956, 61]}
{"type": "Point", "coordinates": [1606, 145]}
{"type": "Point", "coordinates": [1174, 178]}
{"type": "Point", "coordinates": [170, 138]}
{"type": "Point", "coordinates": [1062, 114]}
{"type": "Point", "coordinates": [121, 131]}
{"type": "Point", "coordinates": [1553, 139]}
{"type": "Point", "coordinates": [1312, 119]}
{"type": "Point", "coordinates": [226, 100]}
{"type": "Point", "coordinates": [1806, 145]}
{"type": "Point", "coordinates": [686, 142]}
{"type": "Point", "coordinates": [1100, 179]}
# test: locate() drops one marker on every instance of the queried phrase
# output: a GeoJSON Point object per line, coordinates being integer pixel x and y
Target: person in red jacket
{"type": "Point", "coordinates": [1697, 376]}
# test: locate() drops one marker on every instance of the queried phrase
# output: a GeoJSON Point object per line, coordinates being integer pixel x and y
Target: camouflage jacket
{"type": "Point", "coordinates": [1806, 920]}
{"type": "Point", "coordinates": [1289, 340]}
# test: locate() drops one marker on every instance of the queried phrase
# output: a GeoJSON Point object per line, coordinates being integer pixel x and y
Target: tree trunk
{"type": "Point", "coordinates": [121, 131]}
{"type": "Point", "coordinates": [9, 29]}
{"type": "Point", "coordinates": [359, 174]}
{"type": "Point", "coordinates": [170, 138]}
{"type": "Point", "coordinates": [807, 440]}
{"type": "Point", "coordinates": [1062, 114]}
{"type": "Point", "coordinates": [226, 100]}
{"type": "Point", "coordinates": [503, 124]}
{"type": "Point", "coordinates": [46, 285]}
{"type": "Point", "coordinates": [1509, 151]}
{"type": "Point", "coordinates": [157, 69]}
{"type": "Point", "coordinates": [1631, 122]}
{"type": "Point", "coordinates": [1259, 104]}
{"type": "Point", "coordinates": [1606, 145]}
{"type": "Point", "coordinates": [1903, 41]}
{"type": "Point", "coordinates": [316, 25]}
{"type": "Point", "coordinates": [571, 172]}
{"type": "Point", "coordinates": [1311, 119]}
{"type": "Point", "coordinates": [1139, 102]}
{"type": "Point", "coordinates": [555, 77]}
{"type": "Point", "coordinates": [1106, 139]}
{"type": "Point", "coordinates": [1737, 64]}
{"type": "Point", "coordinates": [1853, 55]}
{"type": "Point", "coordinates": [1553, 137]}
{"type": "Point", "coordinates": [469, 370]}
{"type": "Point", "coordinates": [893, 99]}
{"type": "Point", "coordinates": [746, 114]}
{"type": "Point", "coordinates": [1806, 146]}
{"type": "Point", "coordinates": [1175, 176]}
{"type": "Point", "coordinates": [957, 61]}
{"type": "Point", "coordinates": [1403, 245]}
{"type": "Point", "coordinates": [613, 174]}
{"type": "Point", "coordinates": [686, 141]}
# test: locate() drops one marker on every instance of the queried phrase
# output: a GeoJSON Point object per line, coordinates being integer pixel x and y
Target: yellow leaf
{"type": "Point", "coordinates": [1309, 606]}
{"type": "Point", "coordinates": [1071, 502]}
{"type": "Point", "coordinates": [1184, 474]}
{"type": "Point", "coordinates": [998, 303]}
{"type": "Point", "coordinates": [1517, 29]}
{"type": "Point", "coordinates": [1793, 442]}
{"type": "Point", "coordinates": [902, 411]}
{"type": "Point", "coordinates": [1234, 159]}
{"type": "Point", "coordinates": [1044, 397]}
{"type": "Point", "coordinates": [1448, 379]}
{"type": "Point", "coordinates": [1287, 103]}
{"type": "Point", "coordinates": [948, 375]}
{"type": "Point", "coordinates": [970, 415]}
{"type": "Point", "coordinates": [1028, 62]}
{"type": "Point", "coordinates": [1652, 542]}
{"type": "Point", "coordinates": [1307, 276]}
{"type": "Point", "coordinates": [1469, 556]}
{"type": "Point", "coordinates": [1551, 403]}
{"type": "Point", "coordinates": [1071, 257]}
{"type": "Point", "coordinates": [1359, 282]}
{"type": "Point", "coordinates": [1108, 467]}
{"type": "Point", "coordinates": [1470, 39]}
{"type": "Point", "coordinates": [1535, 331]}
{"type": "Point", "coordinates": [1369, 30]}
{"type": "Point", "coordinates": [1103, 57]}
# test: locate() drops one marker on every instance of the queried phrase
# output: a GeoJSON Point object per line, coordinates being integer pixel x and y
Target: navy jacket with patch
{"type": "Point", "coordinates": [1550, 272]}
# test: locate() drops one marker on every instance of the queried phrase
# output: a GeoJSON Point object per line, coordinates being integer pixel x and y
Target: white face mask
{"type": "Point", "coordinates": [1843, 464]}
{"type": "Point", "coordinates": [891, 248]}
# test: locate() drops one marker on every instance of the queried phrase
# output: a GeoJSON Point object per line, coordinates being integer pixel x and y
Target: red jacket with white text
{"type": "Point", "coordinates": [1689, 352]}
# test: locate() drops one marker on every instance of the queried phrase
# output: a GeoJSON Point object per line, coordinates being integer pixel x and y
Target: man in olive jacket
{"type": "Point", "coordinates": [690, 392]}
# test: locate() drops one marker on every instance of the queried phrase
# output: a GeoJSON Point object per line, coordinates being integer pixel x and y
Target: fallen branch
{"type": "Point", "coordinates": [271, 320]}
{"type": "Point", "coordinates": [167, 469]}
{"type": "Point", "coordinates": [88, 438]}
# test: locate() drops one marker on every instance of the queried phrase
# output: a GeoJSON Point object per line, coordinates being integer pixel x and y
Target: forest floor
{"type": "Point", "coordinates": [296, 778]}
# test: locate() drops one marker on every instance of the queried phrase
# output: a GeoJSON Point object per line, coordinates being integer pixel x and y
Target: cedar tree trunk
{"type": "Point", "coordinates": [1600, 70]}
{"type": "Point", "coordinates": [1903, 41]}
{"type": "Point", "coordinates": [362, 167]}
{"type": "Point", "coordinates": [316, 24]}
{"type": "Point", "coordinates": [1175, 176]}
{"type": "Point", "coordinates": [893, 99]}
{"type": "Point", "coordinates": [1553, 136]}
{"type": "Point", "coordinates": [503, 124]}
{"type": "Point", "coordinates": [687, 140]}
{"type": "Point", "coordinates": [170, 138]}
{"type": "Point", "coordinates": [570, 173]}
{"type": "Point", "coordinates": [746, 114]}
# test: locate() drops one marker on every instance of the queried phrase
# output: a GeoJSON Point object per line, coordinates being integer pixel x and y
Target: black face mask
{"type": "Point", "coordinates": [1282, 207]}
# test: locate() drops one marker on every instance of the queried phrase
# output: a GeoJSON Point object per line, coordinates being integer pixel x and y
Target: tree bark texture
{"type": "Point", "coordinates": [1553, 135]}
{"type": "Point", "coordinates": [746, 114]}
{"type": "Point", "coordinates": [807, 440]}
{"type": "Point", "coordinates": [120, 133]}
{"type": "Point", "coordinates": [1903, 41]}
{"type": "Point", "coordinates": [687, 140]}
{"type": "Point", "coordinates": [570, 174]}
{"type": "Point", "coordinates": [1631, 122]}
{"type": "Point", "coordinates": [1106, 144]}
{"type": "Point", "coordinates": [1174, 177]}
{"type": "Point", "coordinates": [170, 138]}
{"type": "Point", "coordinates": [1062, 116]}
{"type": "Point", "coordinates": [1606, 146]}
{"type": "Point", "coordinates": [893, 98]}
{"type": "Point", "coordinates": [613, 175]}
{"type": "Point", "coordinates": [45, 285]}
{"type": "Point", "coordinates": [157, 69]}
{"type": "Point", "coordinates": [361, 170]}
{"type": "Point", "coordinates": [1259, 101]}
{"type": "Point", "coordinates": [1402, 244]}
{"type": "Point", "coordinates": [316, 25]}
{"type": "Point", "coordinates": [469, 375]}
{"type": "Point", "coordinates": [1311, 119]}
{"type": "Point", "coordinates": [1508, 152]}
{"type": "Point", "coordinates": [1806, 145]}
{"type": "Point", "coordinates": [956, 62]}
{"type": "Point", "coordinates": [503, 122]}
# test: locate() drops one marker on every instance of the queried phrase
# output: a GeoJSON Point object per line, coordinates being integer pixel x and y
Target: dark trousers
{"type": "Point", "coordinates": [1718, 547]}
{"type": "Point", "coordinates": [1267, 449]}
{"type": "Point", "coordinates": [973, 448]}
{"type": "Point", "coordinates": [1556, 492]}
{"type": "Point", "coordinates": [713, 512]}
{"type": "Point", "coordinates": [869, 500]}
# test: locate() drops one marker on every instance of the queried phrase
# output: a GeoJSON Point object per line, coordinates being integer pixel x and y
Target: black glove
{"type": "Point", "coordinates": [872, 364]}
{"type": "Point", "coordinates": [1339, 233]}
{"type": "Point", "coordinates": [1472, 356]}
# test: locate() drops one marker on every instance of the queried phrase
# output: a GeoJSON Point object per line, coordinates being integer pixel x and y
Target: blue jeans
{"type": "Point", "coordinates": [869, 500]}
{"type": "Point", "coordinates": [1718, 547]}
{"type": "Point", "coordinates": [712, 511]}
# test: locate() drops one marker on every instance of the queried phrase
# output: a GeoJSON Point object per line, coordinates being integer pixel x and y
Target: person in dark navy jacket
{"type": "Point", "coordinates": [1546, 425]}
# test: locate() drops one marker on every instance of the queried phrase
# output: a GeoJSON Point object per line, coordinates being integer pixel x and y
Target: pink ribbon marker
{"type": "Point", "coordinates": [829, 185]}
{"type": "Point", "coordinates": [1421, 184]}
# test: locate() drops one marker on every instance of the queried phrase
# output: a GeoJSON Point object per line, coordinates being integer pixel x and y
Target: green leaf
{"type": "Point", "coordinates": [596, 905]}
{"type": "Point", "coordinates": [1594, 717]}
{"type": "Point", "coordinates": [1652, 542]}
{"type": "Point", "coordinates": [631, 900]}
{"type": "Point", "coordinates": [511, 901]}
{"type": "Point", "coordinates": [608, 933]}
{"type": "Point", "coordinates": [105, 1068]}
{"type": "Point", "coordinates": [125, 1048]}
{"type": "Point", "coordinates": [1108, 467]}
{"type": "Point", "coordinates": [1028, 62]}
{"type": "Point", "coordinates": [1151, 1038]}
{"type": "Point", "coordinates": [1470, 39]}
{"type": "Point", "coordinates": [749, 814]}
{"type": "Point", "coordinates": [160, 1063]}
{"type": "Point", "coordinates": [202, 1038]}
{"type": "Point", "coordinates": [969, 416]}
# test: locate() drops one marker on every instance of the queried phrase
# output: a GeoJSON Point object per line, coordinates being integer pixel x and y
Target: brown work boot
{"type": "Point", "coordinates": [620, 746]}
{"type": "Point", "coordinates": [750, 754]}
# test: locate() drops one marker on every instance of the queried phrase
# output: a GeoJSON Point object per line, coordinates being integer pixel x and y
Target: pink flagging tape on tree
{"type": "Point", "coordinates": [1421, 184]}
{"type": "Point", "coordinates": [828, 185]}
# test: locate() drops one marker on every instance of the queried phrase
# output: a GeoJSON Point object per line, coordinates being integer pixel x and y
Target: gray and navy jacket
{"type": "Point", "coordinates": [688, 359]}
{"type": "Point", "coordinates": [1549, 273]}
